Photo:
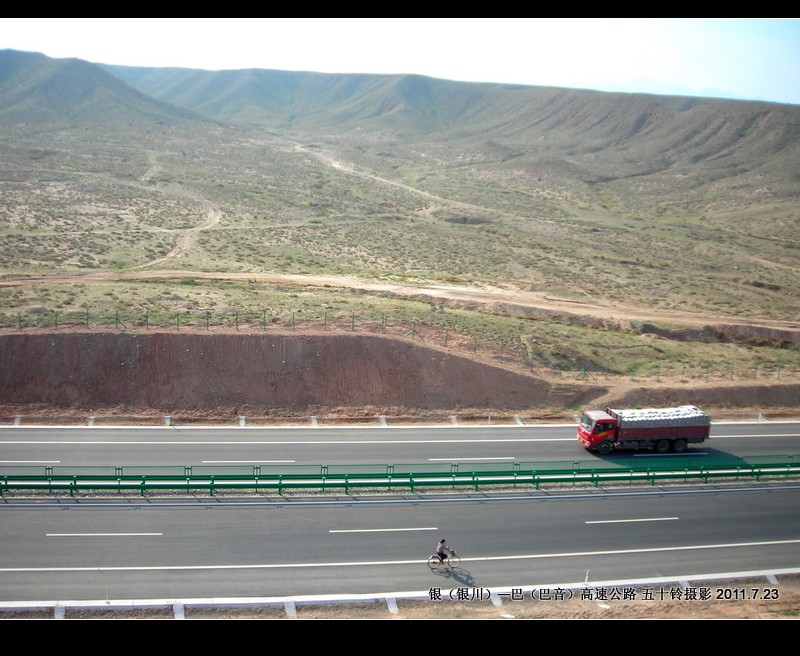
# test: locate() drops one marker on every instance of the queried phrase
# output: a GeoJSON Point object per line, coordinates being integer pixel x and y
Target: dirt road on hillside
{"type": "Point", "coordinates": [434, 292]}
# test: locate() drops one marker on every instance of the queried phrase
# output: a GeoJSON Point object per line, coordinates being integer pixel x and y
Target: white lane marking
{"type": "Point", "coordinates": [336, 442]}
{"type": "Point", "coordinates": [359, 428]}
{"type": "Point", "coordinates": [469, 459]}
{"type": "Point", "coordinates": [30, 462]}
{"type": "Point", "coordinates": [382, 530]}
{"type": "Point", "coordinates": [245, 462]}
{"type": "Point", "coordinates": [625, 521]}
{"type": "Point", "coordinates": [748, 435]}
{"type": "Point", "coordinates": [281, 442]}
{"type": "Point", "coordinates": [344, 427]}
{"type": "Point", "coordinates": [101, 535]}
{"type": "Point", "coordinates": [670, 455]}
{"type": "Point", "coordinates": [381, 563]}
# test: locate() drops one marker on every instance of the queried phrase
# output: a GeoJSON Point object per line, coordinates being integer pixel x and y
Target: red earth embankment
{"type": "Point", "coordinates": [286, 373]}
{"type": "Point", "coordinates": [293, 374]}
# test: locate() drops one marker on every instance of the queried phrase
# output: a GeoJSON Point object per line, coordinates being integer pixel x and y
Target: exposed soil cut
{"type": "Point", "coordinates": [295, 374]}
{"type": "Point", "coordinates": [286, 373]}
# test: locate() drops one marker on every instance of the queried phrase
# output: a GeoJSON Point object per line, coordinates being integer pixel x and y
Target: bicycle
{"type": "Point", "coordinates": [453, 560]}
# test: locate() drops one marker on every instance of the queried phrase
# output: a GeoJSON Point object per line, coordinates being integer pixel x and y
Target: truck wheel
{"type": "Point", "coordinates": [662, 446]}
{"type": "Point", "coordinates": [604, 448]}
{"type": "Point", "coordinates": [679, 446]}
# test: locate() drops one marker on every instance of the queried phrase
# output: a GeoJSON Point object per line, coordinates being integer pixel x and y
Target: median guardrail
{"type": "Point", "coordinates": [279, 479]}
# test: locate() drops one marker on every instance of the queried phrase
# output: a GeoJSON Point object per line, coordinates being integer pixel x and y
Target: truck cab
{"type": "Point", "coordinates": [596, 428]}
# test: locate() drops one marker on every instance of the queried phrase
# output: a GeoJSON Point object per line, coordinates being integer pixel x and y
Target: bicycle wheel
{"type": "Point", "coordinates": [454, 560]}
{"type": "Point", "coordinates": [434, 562]}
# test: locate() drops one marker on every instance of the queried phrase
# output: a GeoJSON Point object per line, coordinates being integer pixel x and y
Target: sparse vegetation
{"type": "Point", "coordinates": [680, 217]}
{"type": "Point", "coordinates": [195, 303]}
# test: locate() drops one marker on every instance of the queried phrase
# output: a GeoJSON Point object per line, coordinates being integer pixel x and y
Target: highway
{"type": "Point", "coordinates": [347, 445]}
{"type": "Point", "coordinates": [341, 547]}
{"type": "Point", "coordinates": [126, 548]}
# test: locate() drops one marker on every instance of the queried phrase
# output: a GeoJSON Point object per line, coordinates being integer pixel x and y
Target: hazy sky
{"type": "Point", "coordinates": [754, 59]}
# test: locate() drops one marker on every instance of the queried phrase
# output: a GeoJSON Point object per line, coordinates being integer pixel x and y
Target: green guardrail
{"type": "Point", "coordinates": [281, 478]}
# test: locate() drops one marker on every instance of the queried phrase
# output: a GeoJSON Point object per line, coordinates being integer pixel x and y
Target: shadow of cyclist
{"type": "Point", "coordinates": [458, 575]}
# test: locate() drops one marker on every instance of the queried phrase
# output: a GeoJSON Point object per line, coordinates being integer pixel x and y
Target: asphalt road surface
{"type": "Point", "coordinates": [333, 547]}
{"type": "Point", "coordinates": [129, 548]}
{"type": "Point", "coordinates": [347, 445]}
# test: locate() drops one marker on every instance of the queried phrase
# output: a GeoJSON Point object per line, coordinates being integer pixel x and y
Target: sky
{"type": "Point", "coordinates": [756, 59]}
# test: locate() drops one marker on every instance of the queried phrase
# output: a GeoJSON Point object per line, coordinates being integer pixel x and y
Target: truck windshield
{"type": "Point", "coordinates": [586, 423]}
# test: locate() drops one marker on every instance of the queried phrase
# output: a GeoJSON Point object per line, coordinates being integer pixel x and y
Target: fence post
{"type": "Point", "coordinates": [56, 319]}
{"type": "Point", "coordinates": [353, 322]}
{"type": "Point", "coordinates": [178, 320]}
{"type": "Point", "coordinates": [207, 319]}
{"type": "Point", "coordinates": [147, 318]}
{"type": "Point", "coordinates": [383, 322]}
{"type": "Point", "coordinates": [87, 318]}
{"type": "Point", "coordinates": [325, 321]}
{"type": "Point", "coordinates": [237, 320]}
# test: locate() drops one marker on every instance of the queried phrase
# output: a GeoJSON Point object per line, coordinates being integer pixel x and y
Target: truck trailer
{"type": "Point", "coordinates": [662, 429]}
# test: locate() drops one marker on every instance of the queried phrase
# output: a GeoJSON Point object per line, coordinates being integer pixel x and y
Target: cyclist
{"type": "Point", "coordinates": [443, 550]}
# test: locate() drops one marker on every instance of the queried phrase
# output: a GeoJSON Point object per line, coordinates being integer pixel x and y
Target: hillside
{"type": "Point", "coordinates": [175, 193]}
{"type": "Point", "coordinates": [592, 138]}
{"type": "Point", "coordinates": [38, 91]}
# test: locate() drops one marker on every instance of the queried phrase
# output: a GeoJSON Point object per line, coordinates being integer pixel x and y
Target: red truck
{"type": "Point", "coordinates": [662, 429]}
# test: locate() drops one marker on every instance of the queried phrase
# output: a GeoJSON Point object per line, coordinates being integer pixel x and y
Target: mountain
{"type": "Point", "coordinates": [38, 90]}
{"type": "Point", "coordinates": [639, 148]}
{"type": "Point", "coordinates": [590, 135]}
{"type": "Point", "coordinates": [422, 104]}
{"type": "Point", "coordinates": [640, 199]}
{"type": "Point", "coordinates": [599, 136]}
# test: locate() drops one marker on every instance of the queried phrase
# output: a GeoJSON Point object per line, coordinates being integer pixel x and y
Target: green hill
{"type": "Point", "coordinates": [577, 140]}
{"type": "Point", "coordinates": [36, 90]}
